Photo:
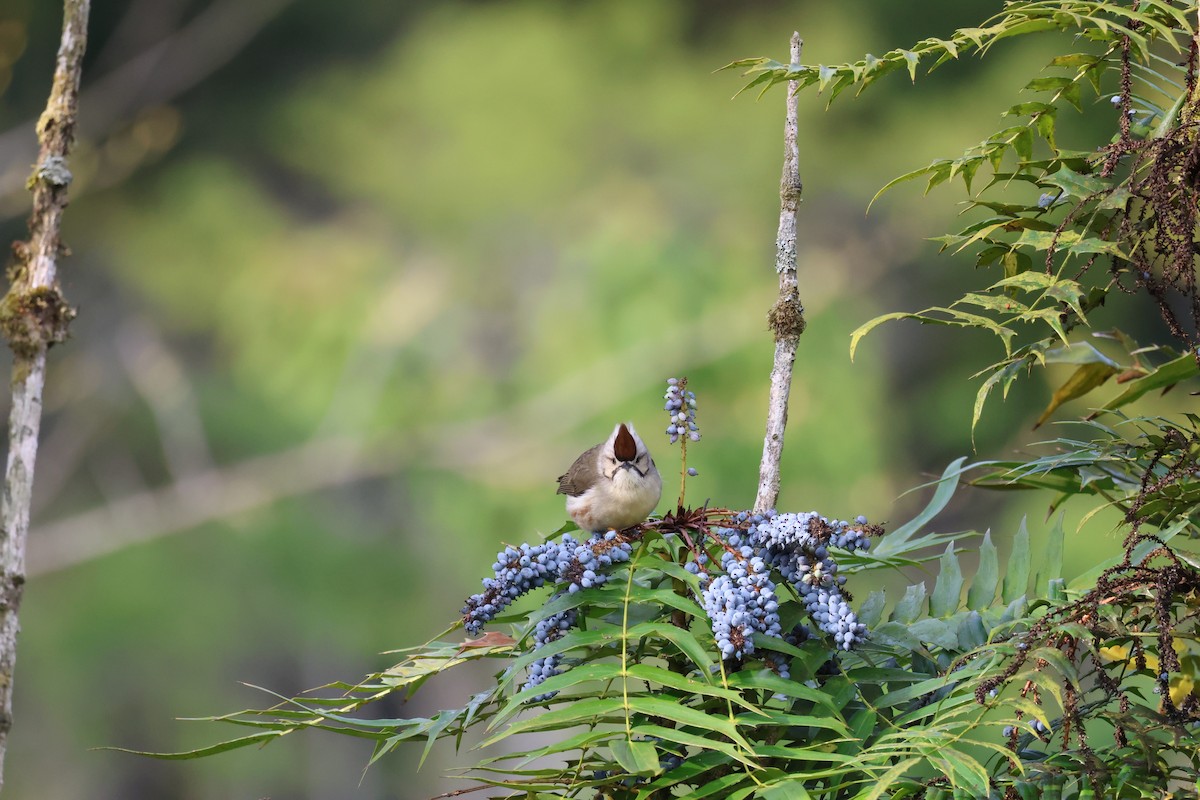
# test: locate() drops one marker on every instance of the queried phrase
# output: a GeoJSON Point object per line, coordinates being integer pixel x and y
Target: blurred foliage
{"type": "Point", "coordinates": [453, 242]}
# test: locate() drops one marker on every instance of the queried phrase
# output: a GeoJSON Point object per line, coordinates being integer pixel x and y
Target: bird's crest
{"type": "Point", "coordinates": [625, 446]}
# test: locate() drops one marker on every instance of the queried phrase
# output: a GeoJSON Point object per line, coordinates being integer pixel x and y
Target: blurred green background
{"type": "Point", "coordinates": [357, 281]}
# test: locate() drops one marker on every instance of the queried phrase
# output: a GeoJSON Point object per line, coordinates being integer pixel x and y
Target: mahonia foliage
{"type": "Point", "coordinates": [716, 654]}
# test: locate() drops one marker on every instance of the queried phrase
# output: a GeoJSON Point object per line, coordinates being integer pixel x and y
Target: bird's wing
{"type": "Point", "coordinates": [582, 475]}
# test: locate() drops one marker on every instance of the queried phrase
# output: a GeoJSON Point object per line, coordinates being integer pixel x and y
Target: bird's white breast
{"type": "Point", "coordinates": [619, 503]}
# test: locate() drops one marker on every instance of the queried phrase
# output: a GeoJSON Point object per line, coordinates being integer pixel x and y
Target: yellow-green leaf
{"type": "Point", "coordinates": [1082, 381]}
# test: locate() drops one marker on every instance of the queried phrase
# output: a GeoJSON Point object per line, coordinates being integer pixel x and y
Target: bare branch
{"type": "Point", "coordinates": [33, 316]}
{"type": "Point", "coordinates": [787, 315]}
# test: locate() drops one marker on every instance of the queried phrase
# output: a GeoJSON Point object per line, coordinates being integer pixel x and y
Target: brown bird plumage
{"type": "Point", "coordinates": [612, 485]}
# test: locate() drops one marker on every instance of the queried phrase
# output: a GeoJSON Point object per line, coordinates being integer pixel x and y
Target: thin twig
{"type": "Point", "coordinates": [33, 316]}
{"type": "Point", "coordinates": [787, 315]}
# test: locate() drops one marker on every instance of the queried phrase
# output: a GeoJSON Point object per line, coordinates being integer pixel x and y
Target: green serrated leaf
{"type": "Point", "coordinates": [1003, 377]}
{"type": "Point", "coordinates": [657, 676]}
{"type": "Point", "coordinates": [1071, 94]}
{"type": "Point", "coordinates": [1045, 123]}
{"type": "Point", "coordinates": [1044, 240]}
{"type": "Point", "coordinates": [1116, 199]}
{"type": "Point", "coordinates": [987, 576]}
{"type": "Point", "coordinates": [1023, 144]}
{"type": "Point", "coordinates": [1014, 610]}
{"type": "Point", "coordinates": [1028, 281]}
{"type": "Point", "coordinates": [969, 167]}
{"type": "Point", "coordinates": [1016, 577]}
{"type": "Point", "coordinates": [972, 633]}
{"type": "Point", "coordinates": [862, 724]}
{"type": "Point", "coordinates": [1052, 564]}
{"type": "Point", "coordinates": [769, 681]}
{"type": "Point", "coordinates": [938, 632]}
{"type": "Point", "coordinates": [911, 606]}
{"type": "Point", "coordinates": [871, 611]}
{"type": "Point", "coordinates": [1052, 83]}
{"type": "Point", "coordinates": [869, 325]}
{"type": "Point", "coordinates": [718, 786]}
{"type": "Point", "coordinates": [947, 591]}
{"type": "Point", "coordinates": [895, 634]}
{"type": "Point", "coordinates": [1028, 109]}
{"type": "Point", "coordinates": [825, 74]}
{"type": "Point", "coordinates": [939, 172]}
{"type": "Point", "coordinates": [1075, 60]}
{"type": "Point", "coordinates": [908, 176]}
{"type": "Point", "coordinates": [1089, 245]}
{"type": "Point", "coordinates": [989, 255]}
{"type": "Point", "coordinates": [1077, 184]}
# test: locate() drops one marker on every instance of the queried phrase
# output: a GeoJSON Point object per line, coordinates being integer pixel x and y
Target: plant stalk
{"type": "Point", "coordinates": [787, 315]}
{"type": "Point", "coordinates": [33, 316]}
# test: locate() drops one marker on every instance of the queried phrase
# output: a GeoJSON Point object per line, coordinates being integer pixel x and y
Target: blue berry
{"type": "Point", "coordinates": [670, 761]}
{"type": "Point", "coordinates": [795, 546]}
{"type": "Point", "coordinates": [680, 406]}
{"type": "Point", "coordinates": [548, 630]}
{"type": "Point", "coordinates": [739, 603]}
{"type": "Point", "coordinates": [517, 570]}
{"type": "Point", "coordinates": [521, 569]}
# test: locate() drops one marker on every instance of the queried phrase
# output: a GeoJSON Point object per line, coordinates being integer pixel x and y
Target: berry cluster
{"type": "Point", "coordinates": [741, 602]}
{"type": "Point", "coordinates": [681, 410]}
{"type": "Point", "coordinates": [569, 564]}
{"type": "Point", "coordinates": [583, 569]}
{"type": "Point", "coordinates": [548, 630]}
{"type": "Point", "coordinates": [796, 546]}
{"type": "Point", "coordinates": [518, 570]}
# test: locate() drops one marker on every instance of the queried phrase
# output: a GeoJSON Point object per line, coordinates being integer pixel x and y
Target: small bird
{"type": "Point", "coordinates": [614, 485]}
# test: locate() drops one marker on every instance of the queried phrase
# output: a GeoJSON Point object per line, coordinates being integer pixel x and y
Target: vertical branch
{"type": "Point", "coordinates": [787, 315]}
{"type": "Point", "coordinates": [33, 316]}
